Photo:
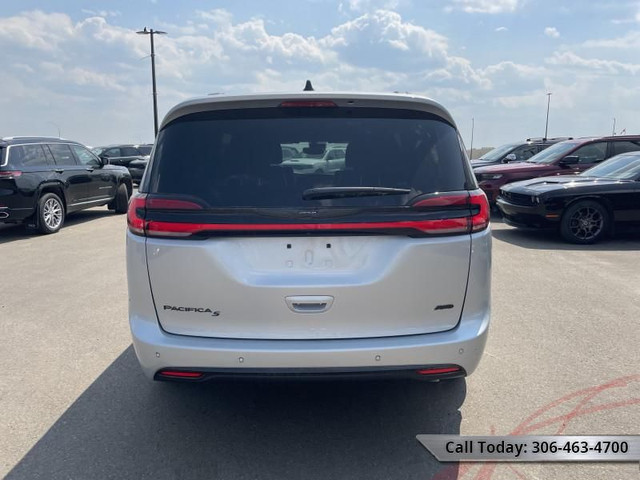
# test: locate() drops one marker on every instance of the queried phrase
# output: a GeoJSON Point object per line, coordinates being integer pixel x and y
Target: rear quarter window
{"type": "Point", "coordinates": [27, 156]}
{"type": "Point", "coordinates": [625, 146]}
{"type": "Point", "coordinates": [269, 157]}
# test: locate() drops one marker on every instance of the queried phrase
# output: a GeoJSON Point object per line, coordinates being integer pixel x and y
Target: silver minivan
{"type": "Point", "coordinates": [239, 264]}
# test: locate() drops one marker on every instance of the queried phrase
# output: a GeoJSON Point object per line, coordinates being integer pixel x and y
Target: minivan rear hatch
{"type": "Point", "coordinates": [240, 244]}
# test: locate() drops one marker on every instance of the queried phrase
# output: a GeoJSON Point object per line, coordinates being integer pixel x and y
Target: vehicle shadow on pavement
{"type": "Point", "coordinates": [10, 233]}
{"type": "Point", "coordinates": [125, 426]}
{"type": "Point", "coordinates": [550, 240]}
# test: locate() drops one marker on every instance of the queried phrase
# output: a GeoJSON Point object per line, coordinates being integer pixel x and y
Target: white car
{"type": "Point", "coordinates": [330, 160]}
{"type": "Point", "coordinates": [237, 266]}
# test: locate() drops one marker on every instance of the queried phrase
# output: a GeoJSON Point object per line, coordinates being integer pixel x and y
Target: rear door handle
{"type": "Point", "coordinates": [58, 170]}
{"type": "Point", "coordinates": [90, 169]}
{"type": "Point", "coordinates": [309, 303]}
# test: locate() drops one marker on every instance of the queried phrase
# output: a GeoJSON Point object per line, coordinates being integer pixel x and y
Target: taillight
{"type": "Point", "coordinates": [10, 174]}
{"type": "Point", "coordinates": [480, 220]}
{"type": "Point", "coordinates": [136, 212]}
{"type": "Point", "coordinates": [308, 103]}
{"type": "Point", "coordinates": [477, 221]}
{"type": "Point", "coordinates": [140, 203]}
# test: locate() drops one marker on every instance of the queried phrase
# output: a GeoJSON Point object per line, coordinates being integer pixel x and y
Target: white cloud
{"type": "Point", "coordinates": [593, 64]}
{"type": "Point", "coordinates": [486, 6]}
{"type": "Point", "coordinates": [102, 13]}
{"type": "Point", "coordinates": [368, 5]}
{"type": "Point", "coordinates": [551, 32]}
{"type": "Point", "coordinates": [630, 40]}
{"type": "Point", "coordinates": [60, 70]}
{"type": "Point", "coordinates": [384, 28]}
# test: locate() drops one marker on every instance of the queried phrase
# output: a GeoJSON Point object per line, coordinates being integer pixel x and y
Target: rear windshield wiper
{"type": "Point", "coordinates": [322, 193]}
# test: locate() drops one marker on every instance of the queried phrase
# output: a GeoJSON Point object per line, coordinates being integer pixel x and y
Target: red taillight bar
{"type": "Point", "coordinates": [453, 225]}
{"type": "Point", "coordinates": [140, 203]}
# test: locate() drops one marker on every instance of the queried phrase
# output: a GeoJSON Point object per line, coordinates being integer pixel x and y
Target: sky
{"type": "Point", "coordinates": [78, 67]}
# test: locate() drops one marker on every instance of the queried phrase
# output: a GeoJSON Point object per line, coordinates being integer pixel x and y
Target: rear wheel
{"type": "Point", "coordinates": [50, 213]}
{"type": "Point", "coordinates": [121, 201]}
{"type": "Point", "coordinates": [584, 222]}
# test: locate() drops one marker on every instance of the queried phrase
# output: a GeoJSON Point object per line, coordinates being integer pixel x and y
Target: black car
{"type": "Point", "coordinates": [515, 152]}
{"type": "Point", "coordinates": [44, 179]}
{"type": "Point", "coordinates": [134, 157]}
{"type": "Point", "coordinates": [584, 207]}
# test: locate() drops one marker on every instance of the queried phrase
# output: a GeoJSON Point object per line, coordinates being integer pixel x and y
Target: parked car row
{"type": "Point", "coordinates": [44, 179]}
{"type": "Point", "coordinates": [134, 157]}
{"type": "Point", "coordinates": [516, 152]}
{"type": "Point", "coordinates": [548, 194]}
{"type": "Point", "coordinates": [567, 157]}
{"type": "Point", "coordinates": [584, 207]}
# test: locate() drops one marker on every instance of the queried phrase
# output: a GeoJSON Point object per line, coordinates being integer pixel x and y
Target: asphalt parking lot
{"type": "Point", "coordinates": [562, 357]}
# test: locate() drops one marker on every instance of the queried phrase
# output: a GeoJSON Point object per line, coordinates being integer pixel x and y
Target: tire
{"type": "Point", "coordinates": [50, 215]}
{"type": "Point", "coordinates": [585, 222]}
{"type": "Point", "coordinates": [121, 200]}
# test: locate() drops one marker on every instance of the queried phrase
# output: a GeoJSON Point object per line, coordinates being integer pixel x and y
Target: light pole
{"type": "Point", "coordinates": [151, 32]}
{"type": "Point", "coordinates": [546, 125]}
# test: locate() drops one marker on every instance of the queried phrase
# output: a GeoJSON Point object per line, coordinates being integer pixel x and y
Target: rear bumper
{"type": "Point", "coordinates": [14, 215]}
{"type": "Point", "coordinates": [156, 349]}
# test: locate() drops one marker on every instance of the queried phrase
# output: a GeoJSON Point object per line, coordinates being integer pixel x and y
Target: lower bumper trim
{"type": "Point", "coordinates": [417, 372]}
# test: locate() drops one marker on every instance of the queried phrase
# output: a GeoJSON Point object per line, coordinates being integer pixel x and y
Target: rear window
{"type": "Point", "coordinates": [129, 152]}
{"type": "Point", "coordinates": [269, 157]}
{"type": "Point", "coordinates": [145, 149]}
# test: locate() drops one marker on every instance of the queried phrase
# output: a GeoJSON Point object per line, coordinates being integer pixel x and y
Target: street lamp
{"type": "Point", "coordinates": [546, 125]}
{"type": "Point", "coordinates": [151, 32]}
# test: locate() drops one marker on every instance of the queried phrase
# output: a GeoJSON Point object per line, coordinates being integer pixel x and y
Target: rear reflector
{"type": "Point", "coordinates": [471, 219]}
{"type": "Point", "coordinates": [438, 371]}
{"type": "Point", "coordinates": [180, 374]}
{"type": "Point", "coordinates": [308, 103]}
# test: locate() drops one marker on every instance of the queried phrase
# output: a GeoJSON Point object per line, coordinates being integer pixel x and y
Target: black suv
{"type": "Point", "coordinates": [516, 152]}
{"type": "Point", "coordinates": [44, 179]}
{"type": "Point", "coordinates": [134, 157]}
